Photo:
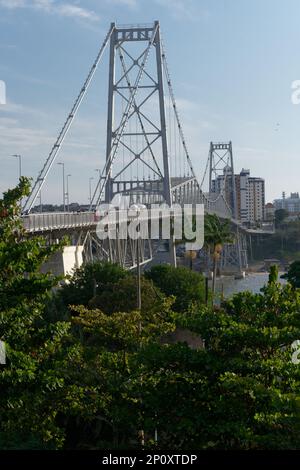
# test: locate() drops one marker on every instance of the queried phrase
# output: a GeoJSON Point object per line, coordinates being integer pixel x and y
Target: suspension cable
{"type": "Point", "coordinates": [115, 145]}
{"type": "Point", "coordinates": [168, 78]}
{"type": "Point", "coordinates": [62, 135]}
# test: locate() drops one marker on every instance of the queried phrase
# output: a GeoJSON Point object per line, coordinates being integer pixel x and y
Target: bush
{"type": "Point", "coordinates": [187, 286]}
{"type": "Point", "coordinates": [90, 280]}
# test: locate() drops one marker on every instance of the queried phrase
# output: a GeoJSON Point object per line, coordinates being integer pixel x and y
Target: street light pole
{"type": "Point", "coordinates": [134, 214]}
{"type": "Point", "coordinates": [64, 192]}
{"type": "Point", "coordinates": [20, 174]}
{"type": "Point", "coordinates": [20, 164]}
{"type": "Point", "coordinates": [40, 198]}
{"type": "Point", "coordinates": [99, 171]}
{"type": "Point", "coordinates": [67, 193]}
{"type": "Point", "coordinates": [90, 186]}
{"type": "Point", "coordinates": [139, 291]}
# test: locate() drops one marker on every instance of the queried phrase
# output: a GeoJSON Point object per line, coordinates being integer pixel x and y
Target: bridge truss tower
{"type": "Point", "coordinates": [136, 142]}
{"type": "Point", "coordinates": [221, 173]}
{"type": "Point", "coordinates": [222, 181]}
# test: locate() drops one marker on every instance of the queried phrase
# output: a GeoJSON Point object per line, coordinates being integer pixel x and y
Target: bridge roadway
{"type": "Point", "coordinates": [55, 221]}
{"type": "Point", "coordinates": [52, 221]}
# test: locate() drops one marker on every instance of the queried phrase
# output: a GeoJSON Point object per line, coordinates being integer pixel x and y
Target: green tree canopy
{"type": "Point", "coordinates": [185, 285]}
{"type": "Point", "coordinates": [32, 380]}
{"type": "Point", "coordinates": [216, 233]}
{"type": "Point", "coordinates": [280, 215]}
{"type": "Point", "coordinates": [293, 274]}
{"type": "Point", "coordinates": [240, 392]}
{"type": "Point", "coordinates": [90, 280]}
{"type": "Point", "coordinates": [121, 296]}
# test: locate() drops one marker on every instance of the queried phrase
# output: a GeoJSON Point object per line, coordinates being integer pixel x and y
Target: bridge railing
{"type": "Point", "coordinates": [57, 220]}
{"type": "Point", "coordinates": [48, 221]}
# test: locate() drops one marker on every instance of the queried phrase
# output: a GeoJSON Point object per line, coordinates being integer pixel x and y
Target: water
{"type": "Point", "coordinates": [253, 282]}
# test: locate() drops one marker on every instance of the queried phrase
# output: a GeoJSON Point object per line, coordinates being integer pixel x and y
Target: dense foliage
{"type": "Point", "coordinates": [107, 375]}
{"type": "Point", "coordinates": [185, 285]}
{"type": "Point", "coordinates": [216, 234]}
{"type": "Point", "coordinates": [293, 274]}
{"type": "Point", "coordinates": [284, 244]}
{"type": "Point", "coordinates": [280, 216]}
{"type": "Point", "coordinates": [32, 380]}
{"type": "Point", "coordinates": [89, 281]}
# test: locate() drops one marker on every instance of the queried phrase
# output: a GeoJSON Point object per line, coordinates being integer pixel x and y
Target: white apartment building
{"type": "Point", "coordinates": [250, 194]}
{"type": "Point", "coordinates": [256, 199]}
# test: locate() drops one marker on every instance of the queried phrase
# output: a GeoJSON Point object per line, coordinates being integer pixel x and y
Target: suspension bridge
{"type": "Point", "coordinates": [147, 159]}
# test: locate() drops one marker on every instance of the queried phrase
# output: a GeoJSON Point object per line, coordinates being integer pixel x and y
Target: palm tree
{"type": "Point", "coordinates": [216, 233]}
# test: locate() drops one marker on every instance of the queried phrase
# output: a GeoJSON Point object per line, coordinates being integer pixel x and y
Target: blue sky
{"type": "Point", "coordinates": [232, 64]}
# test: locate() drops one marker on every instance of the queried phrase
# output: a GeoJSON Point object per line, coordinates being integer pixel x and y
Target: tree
{"type": "Point", "coordinates": [241, 391]}
{"type": "Point", "coordinates": [32, 381]}
{"type": "Point", "coordinates": [293, 274]}
{"type": "Point", "coordinates": [90, 280]}
{"type": "Point", "coordinates": [97, 384]}
{"type": "Point", "coordinates": [216, 233]}
{"type": "Point", "coordinates": [121, 296]}
{"type": "Point", "coordinates": [284, 244]}
{"type": "Point", "coordinates": [110, 409]}
{"type": "Point", "coordinates": [185, 285]}
{"type": "Point", "coordinates": [280, 215]}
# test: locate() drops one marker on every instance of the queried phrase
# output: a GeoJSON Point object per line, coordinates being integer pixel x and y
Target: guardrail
{"type": "Point", "coordinates": [48, 221]}
{"type": "Point", "coordinates": [58, 220]}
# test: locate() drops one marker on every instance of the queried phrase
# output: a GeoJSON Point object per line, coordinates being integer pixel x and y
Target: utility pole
{"type": "Point", "coordinates": [20, 173]}
{"type": "Point", "coordinates": [90, 187]}
{"type": "Point", "coordinates": [138, 265]}
{"type": "Point", "coordinates": [99, 177]}
{"type": "Point", "coordinates": [67, 193]}
{"type": "Point", "coordinates": [64, 192]}
{"type": "Point", "coordinates": [40, 198]}
{"type": "Point", "coordinates": [20, 164]}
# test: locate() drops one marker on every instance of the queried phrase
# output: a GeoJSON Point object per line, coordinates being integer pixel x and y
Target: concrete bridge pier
{"type": "Point", "coordinates": [64, 262]}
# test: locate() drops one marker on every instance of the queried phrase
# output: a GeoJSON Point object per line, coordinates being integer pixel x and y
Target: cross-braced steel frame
{"type": "Point", "coordinates": [151, 133]}
{"type": "Point", "coordinates": [221, 163]}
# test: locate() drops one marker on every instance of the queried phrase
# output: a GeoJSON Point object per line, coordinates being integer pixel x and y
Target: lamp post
{"type": "Point", "coordinates": [90, 187]}
{"type": "Point", "coordinates": [20, 163]}
{"type": "Point", "coordinates": [99, 172]}
{"type": "Point", "coordinates": [40, 198]}
{"type": "Point", "coordinates": [64, 192]}
{"type": "Point", "coordinates": [134, 213]}
{"type": "Point", "coordinates": [67, 193]}
{"type": "Point", "coordinates": [20, 173]}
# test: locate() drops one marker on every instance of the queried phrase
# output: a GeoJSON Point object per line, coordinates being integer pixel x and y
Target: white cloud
{"type": "Point", "coordinates": [67, 9]}
{"type": "Point", "coordinates": [21, 110]}
{"type": "Point", "coordinates": [13, 3]}
{"type": "Point", "coordinates": [127, 3]}
{"type": "Point", "coordinates": [187, 9]}
{"type": "Point", "coordinates": [31, 133]}
{"type": "Point", "coordinates": [52, 7]}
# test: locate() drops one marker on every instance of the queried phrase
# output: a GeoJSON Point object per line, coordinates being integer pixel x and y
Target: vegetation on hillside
{"type": "Point", "coordinates": [284, 244]}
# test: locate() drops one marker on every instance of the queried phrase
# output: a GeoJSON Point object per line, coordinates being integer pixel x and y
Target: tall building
{"type": "Point", "coordinates": [269, 211]}
{"type": "Point", "coordinates": [250, 194]}
{"type": "Point", "coordinates": [243, 195]}
{"type": "Point", "coordinates": [256, 203]}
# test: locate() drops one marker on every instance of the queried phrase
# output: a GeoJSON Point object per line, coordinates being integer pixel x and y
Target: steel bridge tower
{"type": "Point", "coordinates": [124, 84]}
{"type": "Point", "coordinates": [221, 173]}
